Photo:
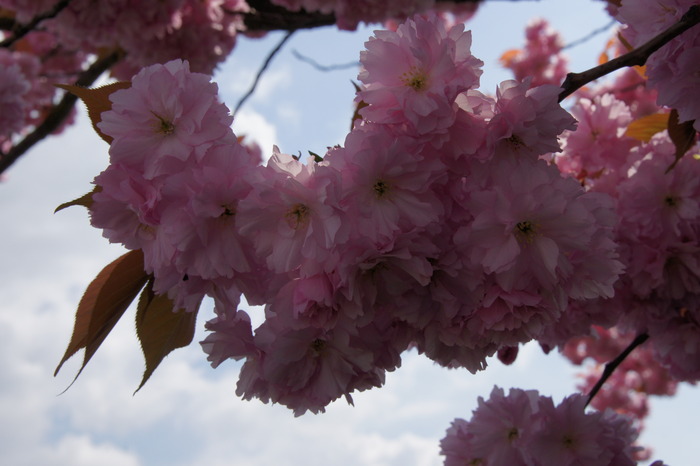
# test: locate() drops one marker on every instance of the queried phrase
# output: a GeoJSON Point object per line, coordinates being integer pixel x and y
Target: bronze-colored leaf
{"type": "Point", "coordinates": [103, 303]}
{"type": "Point", "coordinates": [508, 56]}
{"type": "Point", "coordinates": [644, 128]}
{"type": "Point", "coordinates": [97, 101]}
{"type": "Point", "coordinates": [683, 136]}
{"type": "Point", "coordinates": [85, 200]}
{"type": "Point", "coordinates": [360, 105]}
{"type": "Point", "coordinates": [161, 329]}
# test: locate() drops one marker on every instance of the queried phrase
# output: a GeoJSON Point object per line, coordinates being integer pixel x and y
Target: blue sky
{"type": "Point", "coordinates": [188, 413]}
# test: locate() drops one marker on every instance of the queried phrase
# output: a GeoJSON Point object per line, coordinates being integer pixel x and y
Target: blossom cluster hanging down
{"type": "Point", "coordinates": [436, 225]}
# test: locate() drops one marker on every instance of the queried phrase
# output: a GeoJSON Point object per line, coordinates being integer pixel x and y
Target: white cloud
{"type": "Point", "coordinates": [255, 126]}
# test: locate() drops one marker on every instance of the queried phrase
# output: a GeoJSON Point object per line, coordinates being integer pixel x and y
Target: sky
{"type": "Point", "coordinates": [188, 413]}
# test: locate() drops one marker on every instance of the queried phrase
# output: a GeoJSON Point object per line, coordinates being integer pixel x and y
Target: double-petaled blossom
{"type": "Point", "coordinates": [168, 116]}
{"type": "Point", "coordinates": [413, 75]}
{"type": "Point", "coordinates": [526, 428]}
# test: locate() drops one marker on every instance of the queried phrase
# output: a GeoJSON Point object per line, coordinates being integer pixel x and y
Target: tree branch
{"type": "Point", "coordinates": [262, 69]}
{"type": "Point", "coordinates": [266, 16]}
{"type": "Point", "coordinates": [320, 67]}
{"type": "Point", "coordinates": [612, 365]}
{"type": "Point", "coordinates": [59, 112]}
{"type": "Point", "coordinates": [636, 57]}
{"type": "Point", "coordinates": [20, 31]}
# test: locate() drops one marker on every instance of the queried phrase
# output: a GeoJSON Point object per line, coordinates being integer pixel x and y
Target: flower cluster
{"type": "Point", "coordinates": [527, 428]}
{"type": "Point", "coordinates": [436, 225]}
{"type": "Point", "coordinates": [541, 59]}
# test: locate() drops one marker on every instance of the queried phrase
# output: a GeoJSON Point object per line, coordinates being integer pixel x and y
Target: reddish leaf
{"type": "Point", "coordinates": [85, 200]}
{"type": "Point", "coordinates": [682, 135]}
{"type": "Point", "coordinates": [97, 101]}
{"type": "Point", "coordinates": [103, 303]}
{"type": "Point", "coordinates": [644, 128]}
{"type": "Point", "coordinates": [161, 329]}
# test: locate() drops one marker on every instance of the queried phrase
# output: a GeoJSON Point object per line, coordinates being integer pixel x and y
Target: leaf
{"type": "Point", "coordinates": [161, 329]}
{"type": "Point", "coordinates": [317, 158]}
{"type": "Point", "coordinates": [103, 303]}
{"type": "Point", "coordinates": [604, 57]}
{"type": "Point", "coordinates": [644, 128]}
{"type": "Point", "coordinates": [85, 200]}
{"type": "Point", "coordinates": [360, 105]}
{"type": "Point", "coordinates": [682, 135]}
{"type": "Point", "coordinates": [97, 101]}
{"type": "Point", "coordinates": [508, 57]}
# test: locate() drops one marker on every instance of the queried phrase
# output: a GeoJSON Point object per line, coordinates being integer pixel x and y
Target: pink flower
{"type": "Point", "coordinates": [305, 369]}
{"type": "Point", "coordinates": [597, 151]}
{"type": "Point", "coordinates": [501, 425]}
{"type": "Point", "coordinates": [169, 115]}
{"type": "Point", "coordinates": [13, 87]}
{"type": "Point", "coordinates": [413, 75]}
{"type": "Point", "coordinates": [569, 436]}
{"type": "Point", "coordinates": [528, 120]}
{"type": "Point", "coordinates": [532, 228]}
{"type": "Point", "coordinates": [387, 184]}
{"type": "Point", "coordinates": [231, 338]}
{"type": "Point", "coordinates": [292, 215]}
{"type": "Point", "coordinates": [526, 428]}
{"type": "Point", "coordinates": [541, 58]}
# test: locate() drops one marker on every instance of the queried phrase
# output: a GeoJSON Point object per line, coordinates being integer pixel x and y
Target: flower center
{"type": "Point", "coordinates": [163, 126]}
{"type": "Point", "coordinates": [525, 231]}
{"type": "Point", "coordinates": [512, 434]}
{"type": "Point", "coordinates": [671, 201]}
{"type": "Point", "coordinates": [381, 188]}
{"type": "Point", "coordinates": [415, 79]}
{"type": "Point", "coordinates": [317, 345]}
{"type": "Point", "coordinates": [229, 211]}
{"type": "Point", "coordinates": [516, 142]}
{"type": "Point", "coordinates": [569, 441]}
{"type": "Point", "coordinates": [297, 216]}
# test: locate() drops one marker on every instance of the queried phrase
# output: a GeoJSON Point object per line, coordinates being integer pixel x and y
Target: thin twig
{"type": "Point", "coordinates": [590, 35]}
{"type": "Point", "coordinates": [59, 112]}
{"type": "Point", "coordinates": [24, 29]}
{"type": "Point", "coordinates": [636, 57]}
{"type": "Point", "coordinates": [612, 365]}
{"type": "Point", "coordinates": [320, 67]}
{"type": "Point", "coordinates": [262, 69]}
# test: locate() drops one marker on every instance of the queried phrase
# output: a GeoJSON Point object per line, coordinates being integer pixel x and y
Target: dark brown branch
{"type": "Point", "coordinates": [612, 365]}
{"type": "Point", "coordinates": [265, 16]}
{"type": "Point", "coordinates": [8, 24]}
{"type": "Point", "coordinates": [262, 69]}
{"type": "Point", "coordinates": [636, 57]}
{"type": "Point", "coordinates": [59, 112]}
{"type": "Point", "coordinates": [22, 30]}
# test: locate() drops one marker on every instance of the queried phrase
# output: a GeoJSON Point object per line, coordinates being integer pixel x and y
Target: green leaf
{"type": "Point", "coordinates": [97, 101]}
{"type": "Point", "coordinates": [103, 303]}
{"type": "Point", "coordinates": [682, 135]}
{"type": "Point", "coordinates": [161, 328]}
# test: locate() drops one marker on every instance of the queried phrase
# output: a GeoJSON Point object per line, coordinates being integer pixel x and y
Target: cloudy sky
{"type": "Point", "coordinates": [188, 413]}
